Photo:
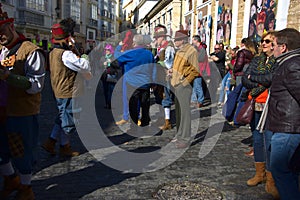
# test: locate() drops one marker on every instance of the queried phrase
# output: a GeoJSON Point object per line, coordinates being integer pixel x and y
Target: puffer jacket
{"type": "Point", "coordinates": [244, 57]}
{"type": "Point", "coordinates": [284, 103]}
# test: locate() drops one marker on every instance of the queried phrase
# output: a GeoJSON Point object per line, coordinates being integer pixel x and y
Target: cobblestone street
{"type": "Point", "coordinates": [221, 174]}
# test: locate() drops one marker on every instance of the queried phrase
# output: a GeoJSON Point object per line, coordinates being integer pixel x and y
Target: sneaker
{"type": "Point", "coordinates": [121, 122]}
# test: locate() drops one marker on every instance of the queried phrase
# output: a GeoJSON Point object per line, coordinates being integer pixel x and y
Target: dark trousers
{"type": "Point", "coordinates": [139, 96]}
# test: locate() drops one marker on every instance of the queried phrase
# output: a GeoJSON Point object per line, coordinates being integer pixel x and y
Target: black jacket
{"type": "Point", "coordinates": [284, 103]}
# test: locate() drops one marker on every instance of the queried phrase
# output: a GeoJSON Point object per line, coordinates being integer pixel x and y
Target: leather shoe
{"type": "Point", "coordinates": [181, 144]}
{"type": "Point", "coordinates": [250, 153]}
{"type": "Point", "coordinates": [121, 122]}
{"type": "Point", "coordinates": [200, 105]}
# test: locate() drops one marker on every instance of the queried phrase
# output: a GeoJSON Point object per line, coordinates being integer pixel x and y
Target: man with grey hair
{"type": "Point", "coordinates": [139, 73]}
{"type": "Point", "coordinates": [283, 117]}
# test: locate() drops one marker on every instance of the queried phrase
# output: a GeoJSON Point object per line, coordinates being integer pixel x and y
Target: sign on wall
{"type": "Point", "coordinates": [262, 18]}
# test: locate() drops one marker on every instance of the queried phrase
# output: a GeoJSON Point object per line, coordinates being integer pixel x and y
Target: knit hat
{"type": "Point", "coordinates": [181, 34]}
{"type": "Point", "coordinates": [160, 31]}
{"type": "Point", "coordinates": [4, 18]}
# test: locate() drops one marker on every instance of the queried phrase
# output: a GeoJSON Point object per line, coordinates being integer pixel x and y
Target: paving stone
{"type": "Point", "coordinates": [222, 172]}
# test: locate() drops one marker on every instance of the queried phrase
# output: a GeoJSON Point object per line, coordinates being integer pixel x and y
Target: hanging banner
{"type": "Point", "coordinates": [224, 22]}
{"type": "Point", "coordinates": [262, 18]}
{"type": "Point", "coordinates": [204, 25]}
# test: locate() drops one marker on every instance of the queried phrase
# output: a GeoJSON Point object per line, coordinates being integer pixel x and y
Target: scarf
{"type": "Point", "coordinates": [265, 65]}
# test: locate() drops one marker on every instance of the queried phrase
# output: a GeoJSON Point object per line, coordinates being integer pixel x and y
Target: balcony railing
{"type": "Point", "coordinates": [93, 22]}
{"type": "Point", "coordinates": [31, 18]}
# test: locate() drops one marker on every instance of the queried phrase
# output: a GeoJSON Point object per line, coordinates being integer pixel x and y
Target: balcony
{"type": "Point", "coordinates": [93, 23]}
{"type": "Point", "coordinates": [26, 17]}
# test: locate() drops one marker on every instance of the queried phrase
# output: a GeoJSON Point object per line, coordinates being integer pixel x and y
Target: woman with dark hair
{"type": "Point", "coordinates": [109, 76]}
{"type": "Point", "coordinates": [243, 58]}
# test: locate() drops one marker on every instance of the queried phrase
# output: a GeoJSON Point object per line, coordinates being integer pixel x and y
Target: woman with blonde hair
{"type": "Point", "coordinates": [256, 80]}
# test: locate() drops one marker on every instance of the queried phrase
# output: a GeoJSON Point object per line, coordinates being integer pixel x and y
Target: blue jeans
{"type": "Point", "coordinates": [125, 101]}
{"type": "Point", "coordinates": [197, 95]}
{"type": "Point", "coordinates": [167, 101]}
{"type": "Point", "coordinates": [258, 139]}
{"type": "Point", "coordinates": [225, 83]}
{"type": "Point", "coordinates": [68, 114]}
{"type": "Point", "coordinates": [268, 136]}
{"type": "Point", "coordinates": [283, 146]}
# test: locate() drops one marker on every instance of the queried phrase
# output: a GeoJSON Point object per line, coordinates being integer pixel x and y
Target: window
{"type": "Point", "coordinates": [170, 15]}
{"type": "Point", "coordinates": [94, 12]}
{"type": "Point", "coordinates": [91, 35]}
{"type": "Point", "coordinates": [75, 10]}
{"type": "Point", "coordinates": [37, 4]}
{"type": "Point", "coordinates": [190, 4]}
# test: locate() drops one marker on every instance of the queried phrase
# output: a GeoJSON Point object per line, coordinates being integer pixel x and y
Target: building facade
{"type": "Point", "coordinates": [168, 13]}
{"type": "Point", "coordinates": [226, 21]}
{"type": "Point", "coordinates": [95, 20]}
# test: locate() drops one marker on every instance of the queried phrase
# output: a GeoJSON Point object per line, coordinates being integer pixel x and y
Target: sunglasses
{"type": "Point", "coordinates": [267, 41]}
{"type": "Point", "coordinates": [217, 48]}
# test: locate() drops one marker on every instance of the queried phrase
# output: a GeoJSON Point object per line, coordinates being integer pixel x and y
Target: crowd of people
{"type": "Point", "coordinates": [176, 71]}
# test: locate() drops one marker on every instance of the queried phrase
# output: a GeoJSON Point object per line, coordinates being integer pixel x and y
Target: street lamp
{"type": "Point", "coordinates": [57, 10]}
{"type": "Point", "coordinates": [104, 30]}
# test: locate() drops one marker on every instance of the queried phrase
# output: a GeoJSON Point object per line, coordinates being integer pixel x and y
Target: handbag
{"type": "Point", "coordinates": [231, 103]}
{"type": "Point", "coordinates": [246, 113]}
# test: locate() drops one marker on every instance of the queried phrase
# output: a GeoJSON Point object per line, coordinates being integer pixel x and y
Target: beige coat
{"type": "Point", "coordinates": [185, 67]}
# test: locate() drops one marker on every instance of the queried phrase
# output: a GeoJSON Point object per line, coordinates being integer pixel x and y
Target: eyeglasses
{"type": "Point", "coordinates": [267, 41]}
{"type": "Point", "coordinates": [217, 48]}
